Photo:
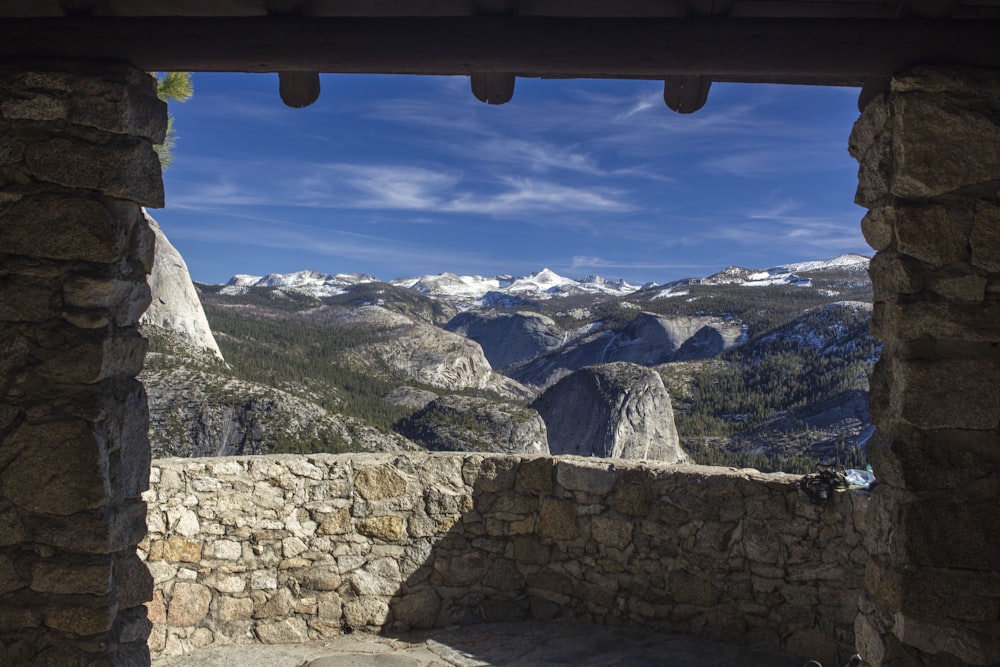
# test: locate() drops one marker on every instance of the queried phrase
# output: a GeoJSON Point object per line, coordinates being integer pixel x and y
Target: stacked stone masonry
{"type": "Point", "coordinates": [929, 154]}
{"type": "Point", "coordinates": [76, 163]}
{"type": "Point", "coordinates": [285, 548]}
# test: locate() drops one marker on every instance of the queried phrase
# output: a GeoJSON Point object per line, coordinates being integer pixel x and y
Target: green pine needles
{"type": "Point", "coordinates": [171, 87]}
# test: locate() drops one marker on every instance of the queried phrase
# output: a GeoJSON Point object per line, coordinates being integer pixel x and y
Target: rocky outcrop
{"type": "Point", "coordinates": [195, 412]}
{"type": "Point", "coordinates": [175, 305]}
{"type": "Point", "coordinates": [647, 339]}
{"type": "Point", "coordinates": [614, 410]}
{"type": "Point", "coordinates": [466, 424]}
{"type": "Point", "coordinates": [430, 355]}
{"type": "Point", "coordinates": [508, 337]}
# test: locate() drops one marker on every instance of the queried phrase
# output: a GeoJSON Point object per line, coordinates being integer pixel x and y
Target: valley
{"type": "Point", "coordinates": [750, 368]}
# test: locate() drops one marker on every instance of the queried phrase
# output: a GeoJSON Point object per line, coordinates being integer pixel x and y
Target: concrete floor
{"type": "Point", "coordinates": [493, 644]}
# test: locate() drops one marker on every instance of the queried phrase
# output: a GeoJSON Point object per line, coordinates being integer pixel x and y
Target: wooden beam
{"type": "Point", "coordinates": [829, 51]}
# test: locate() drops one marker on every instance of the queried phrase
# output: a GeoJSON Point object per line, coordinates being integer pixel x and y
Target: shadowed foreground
{"type": "Point", "coordinates": [507, 644]}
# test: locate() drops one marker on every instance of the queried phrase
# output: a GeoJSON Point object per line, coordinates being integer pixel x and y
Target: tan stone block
{"type": "Point", "coordinates": [337, 523]}
{"type": "Point", "coordinates": [388, 528]}
{"type": "Point", "coordinates": [307, 606]}
{"type": "Point", "coordinates": [877, 228]}
{"type": "Point", "coordinates": [156, 609]}
{"type": "Point", "coordinates": [188, 604]}
{"type": "Point", "coordinates": [294, 563]}
{"type": "Point", "coordinates": [366, 612]}
{"type": "Point", "coordinates": [931, 234]}
{"type": "Point", "coordinates": [969, 287]}
{"type": "Point", "coordinates": [286, 631]}
{"type": "Point", "coordinates": [491, 474]}
{"type": "Point", "coordinates": [320, 578]}
{"type": "Point", "coordinates": [535, 475]}
{"type": "Point", "coordinates": [179, 549]}
{"type": "Point", "coordinates": [379, 483]}
{"type": "Point", "coordinates": [278, 605]}
{"type": "Point", "coordinates": [557, 519]}
{"type": "Point", "coordinates": [235, 609]}
{"type": "Point", "coordinates": [329, 606]}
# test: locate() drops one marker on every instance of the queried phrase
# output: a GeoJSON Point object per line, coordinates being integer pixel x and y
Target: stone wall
{"type": "Point", "coordinates": [281, 549]}
{"type": "Point", "coordinates": [76, 163]}
{"type": "Point", "coordinates": [929, 153]}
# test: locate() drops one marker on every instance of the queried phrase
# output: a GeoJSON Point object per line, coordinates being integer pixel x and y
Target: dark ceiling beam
{"type": "Point", "coordinates": [828, 51]}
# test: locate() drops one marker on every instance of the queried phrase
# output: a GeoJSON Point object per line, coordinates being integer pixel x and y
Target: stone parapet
{"type": "Point", "coordinates": [929, 154]}
{"type": "Point", "coordinates": [76, 165]}
{"type": "Point", "coordinates": [286, 548]}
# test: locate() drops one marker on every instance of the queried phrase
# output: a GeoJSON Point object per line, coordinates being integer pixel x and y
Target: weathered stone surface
{"type": "Point", "coordinates": [419, 609]}
{"type": "Point", "coordinates": [76, 457]}
{"type": "Point", "coordinates": [286, 631]}
{"type": "Point", "coordinates": [986, 239]}
{"type": "Point", "coordinates": [932, 592]}
{"type": "Point", "coordinates": [389, 528]}
{"type": "Point", "coordinates": [940, 146]}
{"type": "Point", "coordinates": [66, 579]}
{"type": "Point", "coordinates": [188, 604]}
{"type": "Point", "coordinates": [379, 483]}
{"type": "Point", "coordinates": [65, 455]}
{"type": "Point", "coordinates": [513, 540]}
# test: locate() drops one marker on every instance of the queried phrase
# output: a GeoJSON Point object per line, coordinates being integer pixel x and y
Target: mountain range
{"type": "Point", "coordinates": [745, 367]}
{"type": "Point", "coordinates": [476, 291]}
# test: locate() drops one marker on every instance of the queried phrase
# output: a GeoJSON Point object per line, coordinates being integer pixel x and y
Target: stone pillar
{"type": "Point", "coordinates": [76, 162]}
{"type": "Point", "coordinates": [929, 154]}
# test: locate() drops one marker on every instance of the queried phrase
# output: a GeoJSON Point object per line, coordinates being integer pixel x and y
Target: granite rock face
{"type": "Point", "coordinates": [615, 410]}
{"type": "Point", "coordinates": [508, 337]}
{"type": "Point", "coordinates": [469, 424]}
{"type": "Point", "coordinates": [175, 305]}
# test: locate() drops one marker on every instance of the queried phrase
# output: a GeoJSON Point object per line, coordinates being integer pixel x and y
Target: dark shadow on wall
{"type": "Point", "coordinates": [723, 556]}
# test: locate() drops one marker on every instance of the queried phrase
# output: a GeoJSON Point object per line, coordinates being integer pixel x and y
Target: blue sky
{"type": "Point", "coordinates": [403, 176]}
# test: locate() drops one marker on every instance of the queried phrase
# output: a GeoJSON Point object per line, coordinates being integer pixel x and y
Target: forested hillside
{"type": "Point", "coordinates": [772, 376]}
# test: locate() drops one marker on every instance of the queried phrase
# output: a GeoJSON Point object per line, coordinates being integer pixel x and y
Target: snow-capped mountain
{"type": "Point", "coordinates": [786, 274]}
{"type": "Point", "coordinates": [313, 283]}
{"type": "Point", "coordinates": [468, 291]}
{"type": "Point", "coordinates": [473, 291]}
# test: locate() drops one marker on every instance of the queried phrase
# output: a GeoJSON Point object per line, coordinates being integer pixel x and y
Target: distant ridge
{"type": "Point", "coordinates": [475, 290]}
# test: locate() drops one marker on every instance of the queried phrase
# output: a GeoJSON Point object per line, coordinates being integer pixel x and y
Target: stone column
{"type": "Point", "coordinates": [929, 154]}
{"type": "Point", "coordinates": [76, 163]}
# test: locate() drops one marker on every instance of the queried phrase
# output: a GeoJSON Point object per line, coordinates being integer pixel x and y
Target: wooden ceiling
{"type": "Point", "coordinates": [686, 43]}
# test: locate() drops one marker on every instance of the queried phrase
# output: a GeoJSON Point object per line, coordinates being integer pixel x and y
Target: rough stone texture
{"type": "Point", "coordinates": [618, 410]}
{"type": "Point", "coordinates": [930, 172]}
{"type": "Point", "coordinates": [76, 165]}
{"type": "Point", "coordinates": [175, 305]}
{"type": "Point", "coordinates": [423, 540]}
{"type": "Point", "coordinates": [468, 423]}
